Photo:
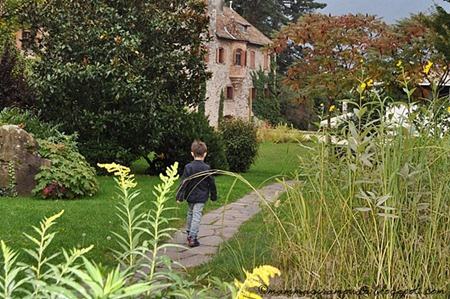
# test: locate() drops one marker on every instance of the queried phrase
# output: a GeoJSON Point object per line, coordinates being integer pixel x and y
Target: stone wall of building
{"type": "Point", "coordinates": [224, 75]}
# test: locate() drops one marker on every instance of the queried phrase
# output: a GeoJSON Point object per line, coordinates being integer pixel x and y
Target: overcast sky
{"type": "Point", "coordinates": [389, 10]}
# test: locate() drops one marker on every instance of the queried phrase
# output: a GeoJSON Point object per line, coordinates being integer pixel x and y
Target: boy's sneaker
{"type": "Point", "coordinates": [189, 238]}
{"type": "Point", "coordinates": [193, 242]}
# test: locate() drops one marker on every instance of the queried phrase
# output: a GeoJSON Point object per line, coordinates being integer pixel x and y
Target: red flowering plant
{"type": "Point", "coordinates": [54, 190]}
{"type": "Point", "coordinates": [68, 177]}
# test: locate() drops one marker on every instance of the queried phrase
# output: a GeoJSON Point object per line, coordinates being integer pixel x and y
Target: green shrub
{"type": "Point", "coordinates": [178, 138]}
{"type": "Point", "coordinates": [29, 121]}
{"type": "Point", "coordinates": [241, 143]}
{"type": "Point", "coordinates": [69, 175]}
{"type": "Point", "coordinates": [281, 133]}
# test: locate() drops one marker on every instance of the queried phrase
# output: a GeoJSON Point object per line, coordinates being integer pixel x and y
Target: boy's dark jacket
{"type": "Point", "coordinates": [196, 189]}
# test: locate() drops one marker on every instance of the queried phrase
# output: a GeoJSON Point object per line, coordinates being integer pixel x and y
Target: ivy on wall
{"type": "Point", "coordinates": [266, 105]}
{"type": "Point", "coordinates": [221, 103]}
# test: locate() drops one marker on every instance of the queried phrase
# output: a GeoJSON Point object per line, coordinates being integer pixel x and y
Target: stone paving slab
{"type": "Point", "coordinates": [220, 225]}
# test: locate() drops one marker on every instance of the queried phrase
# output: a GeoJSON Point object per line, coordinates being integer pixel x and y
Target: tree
{"type": "Point", "coordinates": [14, 90]}
{"type": "Point", "coordinates": [336, 54]}
{"type": "Point", "coordinates": [114, 71]}
{"type": "Point", "coordinates": [410, 44]}
{"type": "Point", "coordinates": [332, 50]}
{"type": "Point", "coordinates": [440, 24]}
{"type": "Point", "coordinates": [270, 15]}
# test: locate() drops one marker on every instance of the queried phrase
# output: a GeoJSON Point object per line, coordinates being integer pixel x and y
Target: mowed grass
{"type": "Point", "coordinates": [92, 220]}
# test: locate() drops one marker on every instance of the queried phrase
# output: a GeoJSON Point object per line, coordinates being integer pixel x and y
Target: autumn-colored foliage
{"type": "Point", "coordinates": [335, 54]}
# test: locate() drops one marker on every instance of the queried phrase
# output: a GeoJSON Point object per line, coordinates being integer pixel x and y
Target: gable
{"type": "Point", "coordinates": [230, 25]}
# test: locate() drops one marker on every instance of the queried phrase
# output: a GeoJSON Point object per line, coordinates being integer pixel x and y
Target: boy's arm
{"type": "Point", "coordinates": [180, 191]}
{"type": "Point", "coordinates": [182, 187]}
{"type": "Point", "coordinates": [212, 187]}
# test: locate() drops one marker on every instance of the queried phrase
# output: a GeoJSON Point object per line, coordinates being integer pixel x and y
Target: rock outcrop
{"type": "Point", "coordinates": [20, 150]}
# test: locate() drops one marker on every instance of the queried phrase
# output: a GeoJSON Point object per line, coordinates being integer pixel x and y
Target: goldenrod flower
{"type": "Point", "coordinates": [369, 83]}
{"type": "Point", "coordinates": [399, 63]}
{"type": "Point", "coordinates": [258, 278]}
{"type": "Point", "coordinates": [427, 68]}
{"type": "Point", "coordinates": [332, 108]}
{"type": "Point", "coordinates": [126, 180]}
{"type": "Point", "coordinates": [448, 109]}
{"type": "Point", "coordinates": [361, 60]}
{"type": "Point", "coordinates": [363, 86]}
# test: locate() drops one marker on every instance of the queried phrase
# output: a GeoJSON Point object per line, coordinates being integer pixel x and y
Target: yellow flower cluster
{"type": "Point", "coordinates": [427, 68]}
{"type": "Point", "coordinates": [332, 108]}
{"type": "Point", "coordinates": [126, 180]}
{"type": "Point", "coordinates": [363, 85]}
{"type": "Point", "coordinates": [259, 278]}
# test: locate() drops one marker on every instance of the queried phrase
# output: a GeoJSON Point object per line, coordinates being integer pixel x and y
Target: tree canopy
{"type": "Point", "coordinates": [269, 16]}
{"type": "Point", "coordinates": [336, 54]}
{"type": "Point", "coordinates": [112, 71]}
{"type": "Point", "coordinates": [330, 51]}
{"type": "Point", "coordinates": [440, 24]}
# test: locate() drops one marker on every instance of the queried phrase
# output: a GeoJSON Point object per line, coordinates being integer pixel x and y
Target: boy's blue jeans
{"type": "Point", "coordinates": [194, 216]}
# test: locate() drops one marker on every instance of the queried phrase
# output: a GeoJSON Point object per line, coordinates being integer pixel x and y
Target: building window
{"type": "Point", "coordinates": [238, 57]}
{"type": "Point", "coordinates": [230, 93]}
{"type": "Point", "coordinates": [266, 93]}
{"type": "Point", "coordinates": [207, 54]}
{"type": "Point", "coordinates": [266, 61]}
{"type": "Point", "coordinates": [25, 37]}
{"type": "Point", "coordinates": [220, 57]}
{"type": "Point", "coordinates": [252, 59]}
{"type": "Point", "coordinates": [253, 93]}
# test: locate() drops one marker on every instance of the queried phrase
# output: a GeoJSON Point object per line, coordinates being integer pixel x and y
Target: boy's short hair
{"type": "Point", "coordinates": [198, 148]}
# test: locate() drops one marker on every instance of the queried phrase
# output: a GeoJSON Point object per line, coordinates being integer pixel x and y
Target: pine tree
{"type": "Point", "coordinates": [440, 23]}
{"type": "Point", "coordinates": [270, 15]}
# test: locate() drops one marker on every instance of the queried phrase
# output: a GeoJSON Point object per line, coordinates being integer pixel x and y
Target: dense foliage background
{"type": "Point", "coordinates": [117, 72]}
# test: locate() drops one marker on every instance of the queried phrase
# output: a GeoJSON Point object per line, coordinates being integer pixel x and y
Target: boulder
{"type": "Point", "coordinates": [19, 149]}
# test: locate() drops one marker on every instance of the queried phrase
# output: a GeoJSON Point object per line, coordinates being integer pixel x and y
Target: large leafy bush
{"type": "Point", "coordinates": [241, 143]}
{"type": "Point", "coordinates": [178, 137]}
{"type": "Point", "coordinates": [69, 175]}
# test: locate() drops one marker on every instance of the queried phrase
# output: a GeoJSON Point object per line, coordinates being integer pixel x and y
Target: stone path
{"type": "Point", "coordinates": [220, 225]}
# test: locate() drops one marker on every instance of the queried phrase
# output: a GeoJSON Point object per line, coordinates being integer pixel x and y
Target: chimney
{"type": "Point", "coordinates": [219, 5]}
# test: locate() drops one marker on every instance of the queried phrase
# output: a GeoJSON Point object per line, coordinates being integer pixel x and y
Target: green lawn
{"type": "Point", "coordinates": [92, 220]}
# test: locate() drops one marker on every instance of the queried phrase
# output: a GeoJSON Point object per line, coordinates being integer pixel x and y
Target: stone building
{"type": "Point", "coordinates": [235, 51]}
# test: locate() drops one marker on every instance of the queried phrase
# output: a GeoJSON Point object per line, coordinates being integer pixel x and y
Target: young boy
{"type": "Point", "coordinates": [197, 183]}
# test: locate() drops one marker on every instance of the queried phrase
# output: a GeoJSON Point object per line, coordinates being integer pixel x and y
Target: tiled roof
{"type": "Point", "coordinates": [230, 25]}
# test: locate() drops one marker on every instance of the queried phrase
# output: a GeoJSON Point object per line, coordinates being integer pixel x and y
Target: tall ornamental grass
{"type": "Point", "coordinates": [372, 216]}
